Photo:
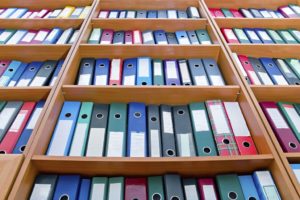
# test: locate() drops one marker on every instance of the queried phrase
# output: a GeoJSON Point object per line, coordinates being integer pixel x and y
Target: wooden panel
{"type": "Point", "coordinates": [24, 93]}
{"type": "Point", "coordinates": [276, 93]}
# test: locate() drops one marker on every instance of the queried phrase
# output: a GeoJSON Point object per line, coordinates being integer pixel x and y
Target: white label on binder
{"type": "Point", "coordinates": [34, 118]}
{"type": "Point", "coordinates": [216, 80]}
{"type": "Point", "coordinates": [101, 80]}
{"type": "Point", "coordinates": [254, 78]}
{"type": "Point", "coordinates": [157, 69]}
{"type": "Point", "coordinates": [253, 35]}
{"type": "Point", "coordinates": [115, 69]}
{"type": "Point", "coordinates": [230, 35]}
{"type": "Point", "coordinates": [28, 37]}
{"type": "Point", "coordinates": [265, 78]}
{"type": "Point", "coordinates": [237, 60]}
{"type": "Point", "coordinates": [147, 37]}
{"type": "Point", "coordinates": [288, 11]}
{"type": "Point", "coordinates": [84, 79]}
{"type": "Point", "coordinates": [113, 14]}
{"type": "Point", "coordinates": [38, 81]}
{"type": "Point", "coordinates": [5, 116]}
{"type": "Point", "coordinates": [201, 80]}
{"type": "Point", "coordinates": [40, 191]}
{"type": "Point", "coordinates": [114, 191]}
{"type": "Point", "coordinates": [287, 35]}
{"type": "Point", "coordinates": [280, 80]}
{"type": "Point", "coordinates": [129, 80]}
{"type": "Point", "coordinates": [277, 118]}
{"type": "Point", "coordinates": [98, 191]}
{"type": "Point", "coordinates": [18, 121]}
{"type": "Point", "coordinates": [184, 145]}
{"type": "Point", "coordinates": [194, 12]}
{"type": "Point", "coordinates": [209, 192]}
{"type": "Point", "coordinates": [171, 69]}
{"type": "Point", "coordinates": [200, 120]}
{"type": "Point", "coordinates": [77, 11]}
{"type": "Point", "coordinates": [78, 140]}
{"type": "Point", "coordinates": [41, 36]}
{"type": "Point", "coordinates": [191, 192]}
{"type": "Point", "coordinates": [297, 173]}
{"type": "Point", "coordinates": [154, 143]}
{"type": "Point", "coordinates": [167, 121]}
{"type": "Point", "coordinates": [4, 36]}
{"type": "Point", "coordinates": [183, 40]}
{"type": "Point", "coordinates": [294, 116]}
{"type": "Point", "coordinates": [265, 178]}
{"type": "Point", "coordinates": [137, 37]}
{"type": "Point", "coordinates": [172, 14]}
{"type": "Point", "coordinates": [130, 14]}
{"type": "Point", "coordinates": [95, 34]}
{"type": "Point", "coordinates": [52, 34]}
{"type": "Point", "coordinates": [219, 118]}
{"type": "Point", "coordinates": [23, 82]}
{"type": "Point", "coordinates": [115, 144]}
{"type": "Point", "coordinates": [103, 14]}
{"type": "Point", "coordinates": [55, 13]}
{"type": "Point", "coordinates": [137, 144]}
{"type": "Point", "coordinates": [264, 35]}
{"type": "Point", "coordinates": [185, 76]}
{"type": "Point", "coordinates": [143, 67]}
{"type": "Point", "coordinates": [241, 34]}
{"type": "Point", "coordinates": [95, 146]}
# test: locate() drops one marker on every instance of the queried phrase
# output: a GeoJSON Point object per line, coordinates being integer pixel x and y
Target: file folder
{"type": "Point", "coordinates": [287, 72]}
{"type": "Point", "coordinates": [181, 14]}
{"type": "Point", "coordinates": [67, 187]}
{"type": "Point", "coordinates": [122, 14]}
{"type": "Point", "coordinates": [265, 13]}
{"type": "Point", "coordinates": [97, 135]}
{"type": "Point", "coordinates": [158, 75]}
{"type": "Point", "coordinates": [295, 168]}
{"type": "Point", "coordinates": [7, 116]}
{"type": "Point", "coordinates": [65, 36]}
{"type": "Point", "coordinates": [173, 186]}
{"type": "Point", "coordinates": [115, 72]}
{"type": "Point", "coordinates": [184, 72]}
{"type": "Point", "coordinates": [148, 37]}
{"type": "Point", "coordinates": [229, 187]}
{"type": "Point", "coordinates": [249, 70]}
{"type": "Point", "coordinates": [10, 139]}
{"type": "Point", "coordinates": [137, 133]}
{"type": "Point", "coordinates": [182, 37]}
{"type": "Point", "coordinates": [252, 36]}
{"type": "Point", "coordinates": [287, 37]}
{"type": "Point", "coordinates": [76, 13]}
{"type": "Point", "coordinates": [16, 38]}
{"type": "Point", "coordinates": [56, 72]}
{"type": "Point", "coordinates": [295, 34]}
{"type": "Point", "coordinates": [85, 12]}
{"type": "Point", "coordinates": [227, 13]}
{"type": "Point", "coordinates": [207, 189]}
{"type": "Point", "coordinates": [171, 72]}
{"type": "Point", "coordinates": [236, 13]}
{"type": "Point", "coordinates": [116, 130]}
{"type": "Point", "coordinates": [183, 130]}
{"type": "Point", "coordinates": [86, 71]}
{"type": "Point", "coordinates": [203, 37]}
{"type": "Point", "coordinates": [113, 14]}
{"type": "Point", "coordinates": [107, 37]}
{"type": "Point", "coordinates": [74, 37]}
{"type": "Point", "coordinates": [64, 130]}
{"type": "Point", "coordinates": [162, 14]}
{"type": "Point", "coordinates": [193, 37]}
{"type": "Point", "coordinates": [29, 74]}
{"type": "Point", "coordinates": [213, 72]}
{"type": "Point", "coordinates": [135, 188]}
{"type": "Point", "coordinates": [144, 71]}
{"type": "Point", "coordinates": [95, 36]}
{"type": "Point", "coordinates": [44, 187]}
{"type": "Point", "coordinates": [283, 133]}
{"type": "Point", "coordinates": [152, 14]}
{"type": "Point", "coordinates": [115, 188]}
{"type": "Point", "coordinates": [255, 13]}
{"type": "Point", "coordinates": [66, 12]}
{"type": "Point", "coordinates": [260, 71]}
{"type": "Point", "coordinates": [137, 37]}
{"type": "Point", "coordinates": [55, 13]}
{"type": "Point", "coordinates": [190, 189]}
{"type": "Point", "coordinates": [101, 74]}
{"type": "Point", "coordinates": [246, 13]}
{"type": "Point", "coordinates": [240, 129]}
{"type": "Point", "coordinates": [172, 14]}
{"type": "Point", "coordinates": [223, 135]}
{"type": "Point", "coordinates": [40, 36]}
{"type": "Point", "coordinates": [240, 66]}
{"type": "Point", "coordinates": [193, 12]}
{"type": "Point", "coordinates": [6, 35]}
{"type": "Point", "coordinates": [171, 38]}
{"type": "Point", "coordinates": [128, 37]}
{"type": "Point", "coordinates": [273, 71]}
{"type": "Point", "coordinates": [8, 12]}
{"type": "Point", "coordinates": [168, 137]}
{"type": "Point", "coordinates": [242, 37]}
{"type": "Point", "coordinates": [84, 191]}
{"type": "Point", "coordinates": [130, 71]}
{"type": "Point", "coordinates": [44, 74]}
{"type": "Point", "coordinates": [198, 72]}
{"type": "Point", "coordinates": [265, 185]}
{"type": "Point", "coordinates": [264, 37]}
{"type": "Point", "coordinates": [99, 188]}
{"type": "Point", "coordinates": [294, 64]}
{"type": "Point", "coordinates": [229, 35]}
{"type": "Point", "coordinates": [119, 37]}
{"type": "Point", "coordinates": [203, 135]}
{"type": "Point", "coordinates": [9, 73]}
{"type": "Point", "coordinates": [248, 187]}
{"type": "Point", "coordinates": [295, 8]}
{"type": "Point", "coordinates": [160, 37]}
{"type": "Point", "coordinates": [141, 14]}
{"type": "Point", "coordinates": [22, 142]}
{"type": "Point", "coordinates": [155, 188]}
{"type": "Point", "coordinates": [292, 117]}
{"type": "Point", "coordinates": [287, 12]}
{"type": "Point", "coordinates": [53, 36]}
{"type": "Point", "coordinates": [275, 37]}
{"type": "Point", "coordinates": [81, 131]}
{"type": "Point", "coordinates": [3, 66]}
{"type": "Point", "coordinates": [42, 13]}
{"type": "Point", "coordinates": [154, 131]}
{"type": "Point", "coordinates": [217, 12]}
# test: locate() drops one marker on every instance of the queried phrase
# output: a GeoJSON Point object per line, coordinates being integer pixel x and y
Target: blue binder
{"type": "Point", "coordinates": [20, 12]}
{"type": "Point", "coordinates": [264, 36]}
{"type": "Point", "coordinates": [171, 70]}
{"type": "Point", "coordinates": [252, 36]}
{"type": "Point", "coordinates": [9, 72]}
{"type": "Point", "coordinates": [214, 74]}
{"type": "Point", "coordinates": [64, 130]}
{"type": "Point", "coordinates": [273, 71]}
{"type": "Point", "coordinates": [144, 71]}
{"type": "Point", "coordinates": [198, 73]}
{"type": "Point", "coordinates": [152, 14]}
{"type": "Point", "coordinates": [84, 191]}
{"type": "Point", "coordinates": [101, 74]}
{"type": "Point", "coordinates": [56, 72]}
{"type": "Point", "coordinates": [129, 71]}
{"type": "Point", "coordinates": [29, 73]}
{"type": "Point", "coordinates": [67, 187]}
{"type": "Point", "coordinates": [53, 36]}
{"type": "Point", "coordinates": [137, 136]}
{"type": "Point", "coordinates": [18, 74]}
{"type": "Point", "coordinates": [265, 185]}
{"type": "Point", "coordinates": [182, 37]}
{"type": "Point", "coordinates": [248, 187]}
{"type": "Point", "coordinates": [22, 142]}
{"type": "Point", "coordinates": [160, 37]}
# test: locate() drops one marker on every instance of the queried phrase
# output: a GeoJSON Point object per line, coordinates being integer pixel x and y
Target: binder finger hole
{"type": "Point", "coordinates": [84, 116]}
{"type": "Point", "coordinates": [180, 112]}
{"type": "Point", "coordinates": [170, 152]}
{"type": "Point", "coordinates": [292, 145]}
{"type": "Point", "coordinates": [86, 64]}
{"type": "Point", "coordinates": [206, 150]}
{"type": "Point", "coordinates": [2, 152]}
{"type": "Point", "coordinates": [117, 116]}
{"type": "Point", "coordinates": [156, 197]}
{"type": "Point", "coordinates": [211, 65]}
{"type": "Point", "coordinates": [246, 144]}
{"type": "Point", "coordinates": [182, 36]}
{"type": "Point", "coordinates": [246, 62]}
{"type": "Point", "coordinates": [226, 141]}
{"type": "Point", "coordinates": [270, 65]}
{"type": "Point", "coordinates": [137, 114]}
{"type": "Point", "coordinates": [144, 83]}
{"type": "Point", "coordinates": [187, 84]}
{"type": "Point", "coordinates": [153, 119]}
{"type": "Point", "coordinates": [252, 198]}
{"type": "Point", "coordinates": [129, 65]}
{"type": "Point", "coordinates": [22, 148]}
{"type": "Point", "coordinates": [11, 70]}
{"type": "Point", "coordinates": [232, 195]}
{"type": "Point", "coordinates": [31, 69]}
{"type": "Point", "coordinates": [64, 197]}
{"type": "Point", "coordinates": [297, 83]}
{"type": "Point", "coordinates": [101, 65]}
{"type": "Point", "coordinates": [68, 115]}
{"type": "Point", "coordinates": [175, 198]}
{"type": "Point", "coordinates": [3, 64]}
{"type": "Point", "coordinates": [258, 66]}
{"type": "Point", "coordinates": [99, 115]}
{"type": "Point", "coordinates": [197, 65]}
{"type": "Point", "coordinates": [193, 35]}
{"type": "Point", "coordinates": [48, 67]}
{"type": "Point", "coordinates": [173, 83]}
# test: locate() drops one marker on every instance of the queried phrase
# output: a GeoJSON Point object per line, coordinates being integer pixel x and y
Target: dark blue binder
{"type": "Point", "coordinates": [252, 36]}
{"type": "Point", "coordinates": [264, 36]}
{"type": "Point", "coordinates": [56, 72]}
{"type": "Point", "coordinates": [273, 71]}
{"type": "Point", "coordinates": [152, 14]}
{"type": "Point", "coordinates": [160, 37]}
{"type": "Point", "coordinates": [86, 71]}
{"type": "Point", "coordinates": [171, 70]}
{"type": "Point", "coordinates": [129, 71]}
{"type": "Point", "coordinates": [29, 73]}
{"type": "Point", "coordinates": [137, 135]}
{"type": "Point", "coordinates": [67, 187]}
{"type": "Point", "coordinates": [101, 74]}
{"type": "Point", "coordinates": [84, 191]}
{"type": "Point", "coordinates": [53, 36]}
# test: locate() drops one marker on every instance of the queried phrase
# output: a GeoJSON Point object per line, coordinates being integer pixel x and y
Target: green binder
{"type": "Point", "coordinates": [295, 65]}
{"type": "Point", "coordinates": [227, 13]}
{"type": "Point", "coordinates": [292, 117]}
{"type": "Point", "coordinates": [241, 36]}
{"type": "Point", "coordinates": [203, 134]}
{"type": "Point", "coordinates": [287, 37]}
{"type": "Point", "coordinates": [2, 104]}
{"type": "Point", "coordinates": [116, 131]}
{"type": "Point", "coordinates": [295, 34]}
{"type": "Point", "coordinates": [275, 36]}
{"type": "Point", "coordinates": [95, 36]}
{"type": "Point", "coordinates": [98, 188]}
{"type": "Point", "coordinates": [79, 140]}
{"type": "Point", "coordinates": [155, 188]}
{"type": "Point", "coordinates": [158, 75]}
{"type": "Point", "coordinates": [229, 187]}
{"type": "Point", "coordinates": [115, 188]}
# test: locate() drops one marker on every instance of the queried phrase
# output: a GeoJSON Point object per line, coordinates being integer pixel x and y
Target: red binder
{"type": "Point", "coordinates": [229, 35]}
{"type": "Point", "coordinates": [212, 12]}
{"type": "Point", "coordinates": [217, 12]}
{"type": "Point", "coordinates": [236, 13]}
{"type": "Point", "coordinates": [207, 189]}
{"type": "Point", "coordinates": [11, 138]}
{"type": "Point", "coordinates": [137, 37]}
{"type": "Point", "coordinates": [3, 65]}
{"type": "Point", "coordinates": [115, 77]}
{"type": "Point", "coordinates": [128, 37]}
{"type": "Point", "coordinates": [283, 132]}
{"type": "Point", "coordinates": [249, 70]}
{"type": "Point", "coordinates": [136, 188]}
{"type": "Point", "coordinates": [107, 37]}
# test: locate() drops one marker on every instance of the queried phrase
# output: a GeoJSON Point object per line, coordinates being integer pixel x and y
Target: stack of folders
{"type": "Point", "coordinates": [20, 74]}
{"type": "Point", "coordinates": [43, 36]}
{"type": "Point", "coordinates": [191, 12]}
{"type": "Point", "coordinates": [290, 11]}
{"type": "Point", "coordinates": [25, 13]}
{"type": "Point", "coordinates": [99, 36]}
{"type": "Point", "coordinates": [261, 36]}
{"type": "Point", "coordinates": [268, 71]}
{"type": "Point", "coordinates": [284, 119]}
{"type": "Point", "coordinates": [17, 121]}
{"type": "Point", "coordinates": [147, 71]}
{"type": "Point", "coordinates": [259, 185]}
{"type": "Point", "coordinates": [296, 170]}
{"type": "Point", "coordinates": [208, 128]}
